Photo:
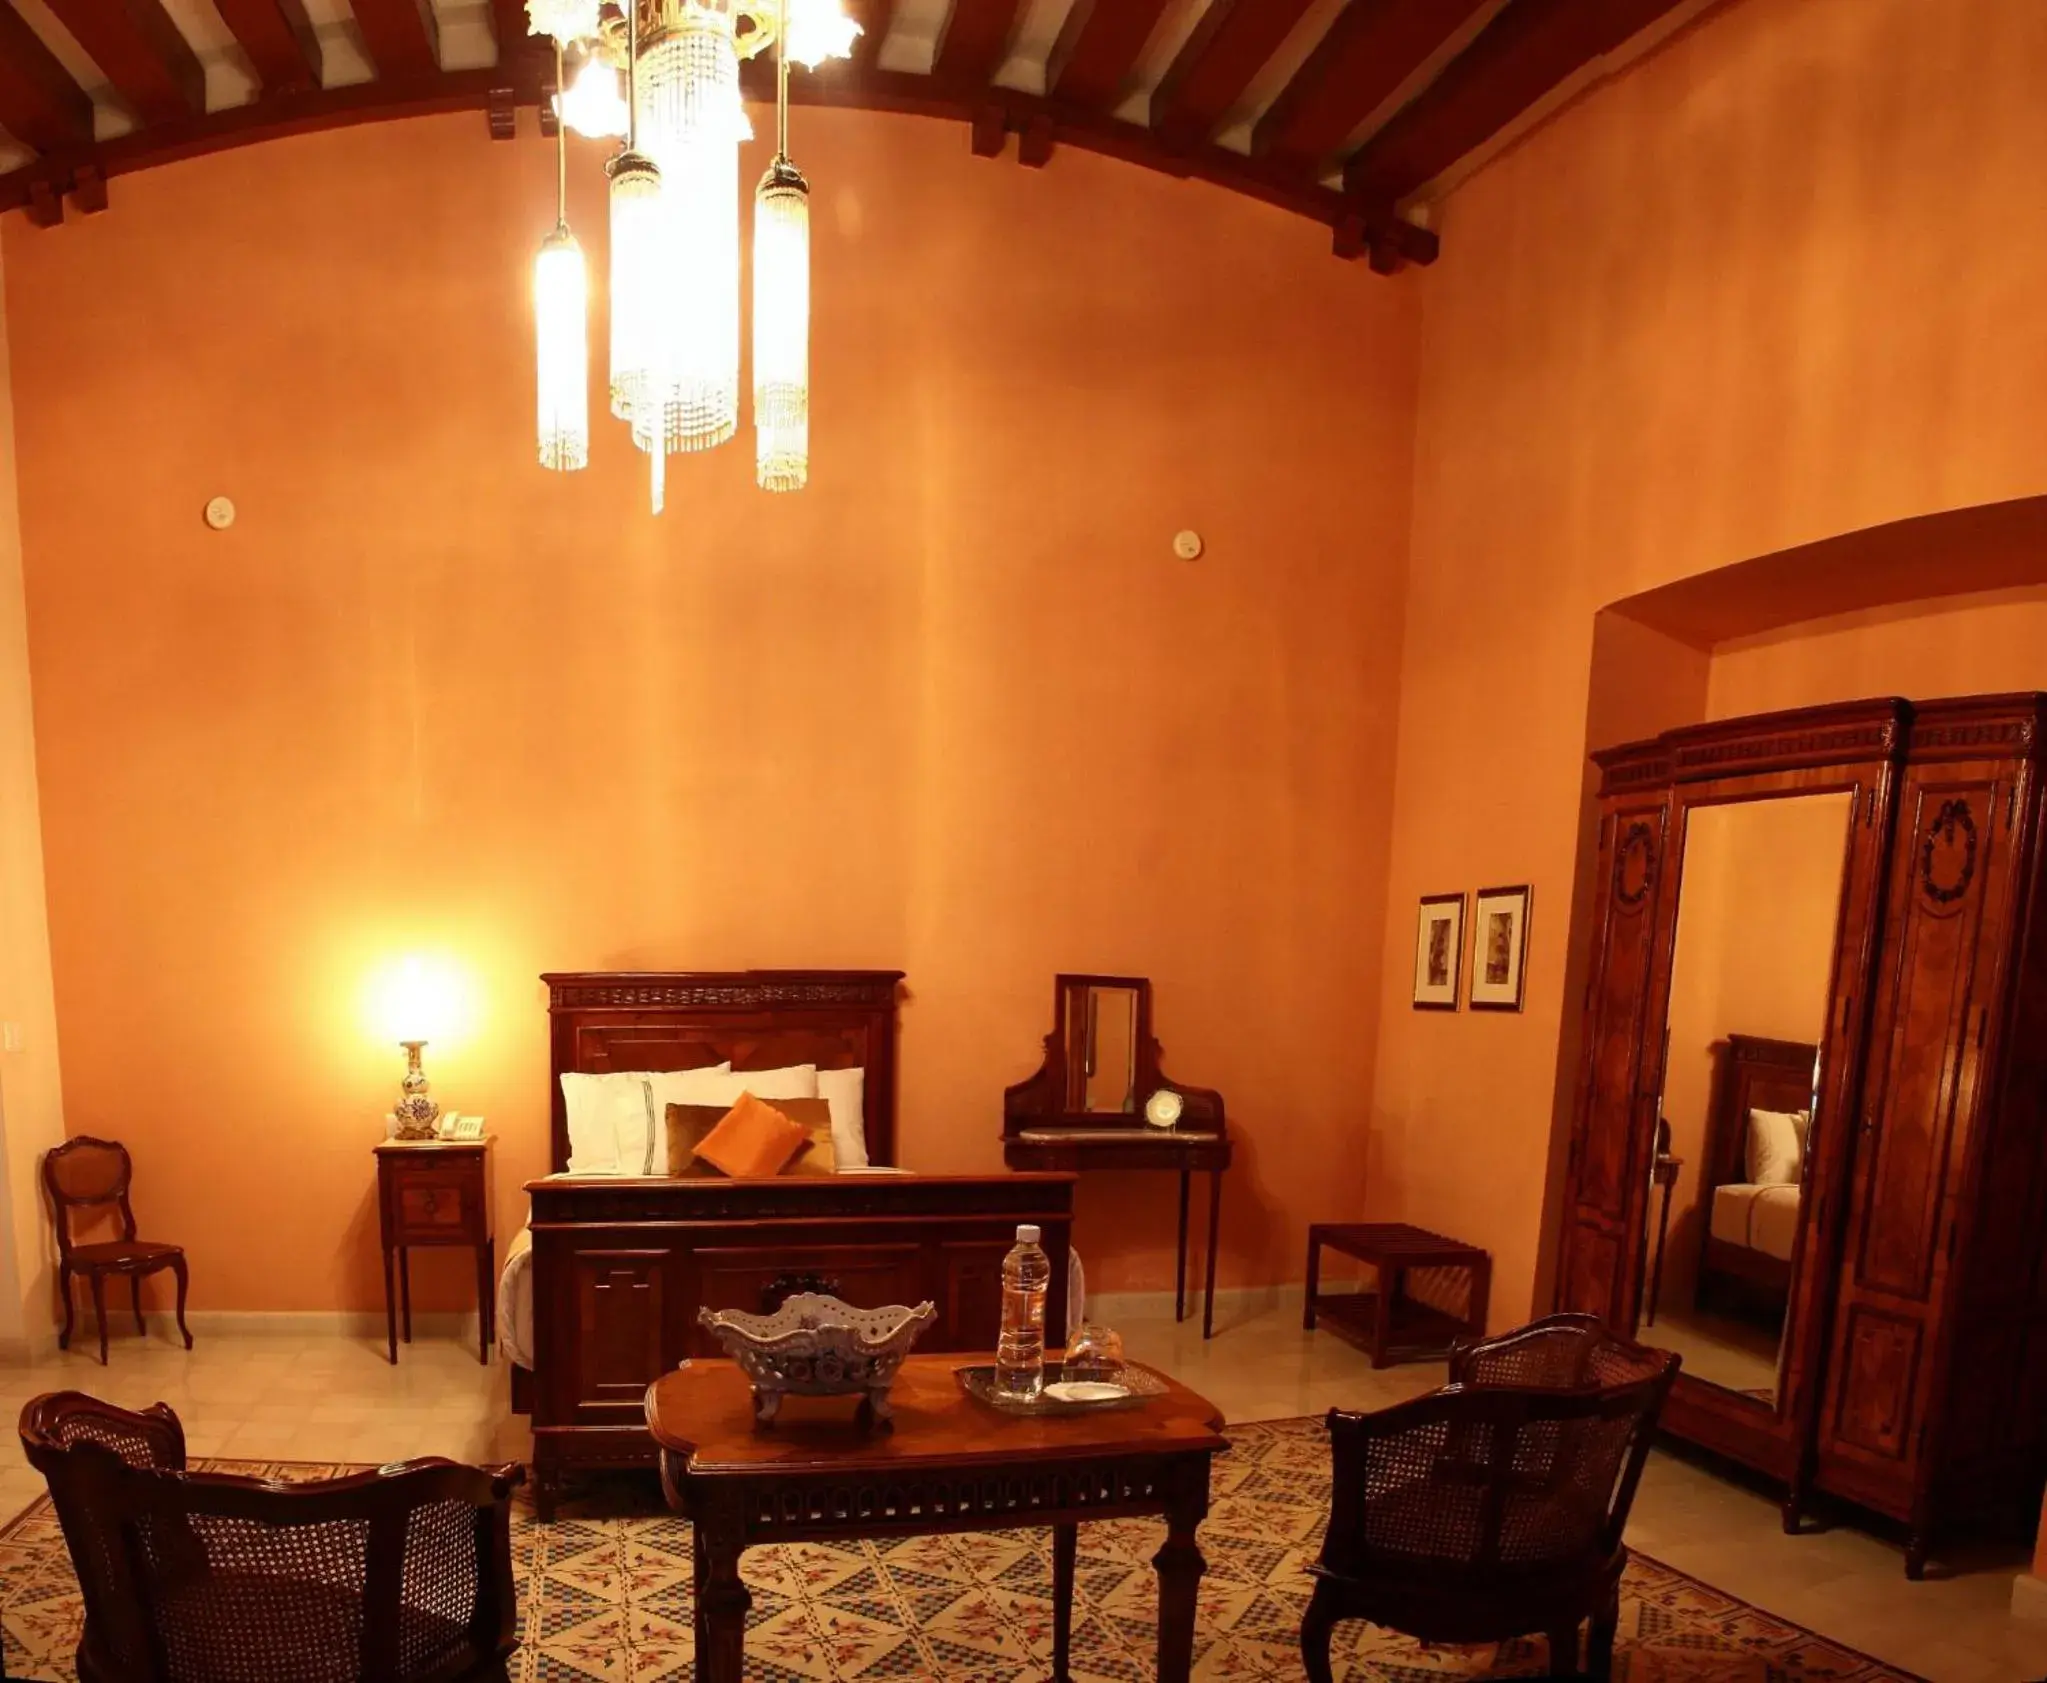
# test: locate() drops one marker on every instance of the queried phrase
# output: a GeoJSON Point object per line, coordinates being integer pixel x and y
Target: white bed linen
{"type": "Point", "coordinates": [515, 1301]}
{"type": "Point", "coordinates": [1760, 1218]}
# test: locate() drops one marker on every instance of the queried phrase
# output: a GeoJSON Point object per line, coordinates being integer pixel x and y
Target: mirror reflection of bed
{"type": "Point", "coordinates": [1758, 915]}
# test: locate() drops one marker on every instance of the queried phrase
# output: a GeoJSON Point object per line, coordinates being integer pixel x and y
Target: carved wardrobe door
{"type": "Point", "coordinates": [1599, 1263]}
{"type": "Point", "coordinates": [1941, 1041]}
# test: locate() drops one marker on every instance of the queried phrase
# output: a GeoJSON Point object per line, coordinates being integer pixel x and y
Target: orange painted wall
{"type": "Point", "coordinates": [1709, 312]}
{"type": "Point", "coordinates": [1970, 645]}
{"type": "Point", "coordinates": [956, 708]}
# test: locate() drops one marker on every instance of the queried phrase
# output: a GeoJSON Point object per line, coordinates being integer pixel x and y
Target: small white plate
{"type": "Point", "coordinates": [1086, 1391]}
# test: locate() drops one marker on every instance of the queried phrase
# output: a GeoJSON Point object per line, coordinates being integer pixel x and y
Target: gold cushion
{"type": "Point", "coordinates": [687, 1126]}
{"type": "Point", "coordinates": [690, 1124]}
{"type": "Point", "coordinates": [814, 1117]}
{"type": "Point", "coordinates": [753, 1139]}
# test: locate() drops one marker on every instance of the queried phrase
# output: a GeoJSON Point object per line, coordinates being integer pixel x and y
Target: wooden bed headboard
{"type": "Point", "coordinates": [602, 1020]}
{"type": "Point", "coordinates": [1750, 1073]}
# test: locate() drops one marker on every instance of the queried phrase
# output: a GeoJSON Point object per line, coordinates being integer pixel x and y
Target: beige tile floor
{"type": "Point", "coordinates": [338, 1399]}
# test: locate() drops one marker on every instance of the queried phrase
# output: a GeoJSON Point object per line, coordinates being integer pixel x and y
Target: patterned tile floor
{"type": "Point", "coordinates": [264, 1396]}
{"type": "Point", "coordinates": [605, 1595]}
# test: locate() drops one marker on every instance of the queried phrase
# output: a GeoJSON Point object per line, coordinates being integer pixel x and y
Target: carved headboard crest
{"type": "Point", "coordinates": [761, 1019]}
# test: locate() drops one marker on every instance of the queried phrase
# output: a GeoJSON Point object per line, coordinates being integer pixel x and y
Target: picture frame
{"type": "Point", "coordinates": [1438, 952]}
{"type": "Point", "coordinates": [1499, 947]}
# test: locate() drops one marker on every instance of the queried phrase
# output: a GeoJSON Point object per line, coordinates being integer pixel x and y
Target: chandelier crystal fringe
{"type": "Point", "coordinates": [561, 342]}
{"type": "Point", "coordinates": [675, 228]}
{"type": "Point", "coordinates": [691, 121]}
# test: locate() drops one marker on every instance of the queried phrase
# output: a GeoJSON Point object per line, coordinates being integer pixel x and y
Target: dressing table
{"type": "Point", "coordinates": [1100, 1101]}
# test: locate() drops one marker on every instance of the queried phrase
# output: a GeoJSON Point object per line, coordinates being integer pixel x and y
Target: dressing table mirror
{"type": "Point", "coordinates": [1100, 1101]}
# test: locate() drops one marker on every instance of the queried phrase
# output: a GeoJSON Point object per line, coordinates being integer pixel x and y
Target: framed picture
{"type": "Point", "coordinates": [1438, 952]}
{"type": "Point", "coordinates": [1499, 947]}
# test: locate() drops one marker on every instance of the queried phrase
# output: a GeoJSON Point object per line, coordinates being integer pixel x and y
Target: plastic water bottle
{"type": "Point", "coordinates": [1020, 1351]}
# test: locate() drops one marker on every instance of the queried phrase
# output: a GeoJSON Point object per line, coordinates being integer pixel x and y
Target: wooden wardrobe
{"type": "Point", "coordinates": [1910, 1373]}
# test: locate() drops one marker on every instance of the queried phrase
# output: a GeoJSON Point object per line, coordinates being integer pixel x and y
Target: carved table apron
{"type": "Point", "coordinates": [950, 1464]}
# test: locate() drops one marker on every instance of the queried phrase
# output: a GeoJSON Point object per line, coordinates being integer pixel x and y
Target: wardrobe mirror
{"type": "Point", "coordinates": [1759, 908]}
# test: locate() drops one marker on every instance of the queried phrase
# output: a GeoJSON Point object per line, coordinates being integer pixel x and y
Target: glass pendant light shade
{"type": "Point", "coordinates": [639, 284]}
{"type": "Point", "coordinates": [566, 20]}
{"type": "Point", "coordinates": [815, 30]}
{"type": "Point", "coordinates": [781, 329]}
{"type": "Point", "coordinates": [592, 103]}
{"type": "Point", "coordinates": [562, 352]}
{"type": "Point", "coordinates": [691, 120]}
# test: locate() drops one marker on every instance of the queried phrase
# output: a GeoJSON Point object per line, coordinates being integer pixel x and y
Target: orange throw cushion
{"type": "Point", "coordinates": [754, 1139]}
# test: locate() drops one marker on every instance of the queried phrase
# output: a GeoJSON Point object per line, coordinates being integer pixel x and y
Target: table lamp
{"type": "Point", "coordinates": [416, 1112]}
{"type": "Point", "coordinates": [415, 1004]}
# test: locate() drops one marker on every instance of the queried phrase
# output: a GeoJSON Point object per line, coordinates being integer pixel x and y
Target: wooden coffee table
{"type": "Point", "coordinates": [950, 1464]}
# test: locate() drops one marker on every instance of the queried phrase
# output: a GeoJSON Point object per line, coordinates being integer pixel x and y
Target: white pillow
{"type": "Point", "coordinates": [1775, 1154]}
{"type": "Point", "coordinates": [600, 1109]}
{"type": "Point", "coordinates": [842, 1089]}
{"type": "Point", "coordinates": [721, 1085]}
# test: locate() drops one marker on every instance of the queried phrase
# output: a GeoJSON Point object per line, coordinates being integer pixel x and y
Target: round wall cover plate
{"type": "Point", "coordinates": [1187, 545]}
{"type": "Point", "coordinates": [220, 514]}
{"type": "Point", "coordinates": [1163, 1108]}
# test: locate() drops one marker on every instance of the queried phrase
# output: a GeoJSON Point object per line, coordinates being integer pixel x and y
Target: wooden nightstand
{"type": "Point", "coordinates": [437, 1192]}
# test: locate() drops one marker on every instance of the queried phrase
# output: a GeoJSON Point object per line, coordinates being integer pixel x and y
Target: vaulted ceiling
{"type": "Point", "coordinates": [1351, 112]}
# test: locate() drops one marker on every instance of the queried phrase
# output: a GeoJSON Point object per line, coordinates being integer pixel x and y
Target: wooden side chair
{"type": "Point", "coordinates": [400, 1575]}
{"type": "Point", "coordinates": [1493, 1508]}
{"type": "Point", "coordinates": [86, 1174]}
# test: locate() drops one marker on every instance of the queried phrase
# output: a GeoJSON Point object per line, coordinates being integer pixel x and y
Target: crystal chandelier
{"type": "Point", "coordinates": [675, 220]}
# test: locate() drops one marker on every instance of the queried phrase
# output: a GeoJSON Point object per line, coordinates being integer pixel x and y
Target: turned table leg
{"type": "Point", "coordinates": [1065, 1545]}
{"type": "Point", "coordinates": [1179, 1566]}
{"type": "Point", "coordinates": [722, 1601]}
{"type": "Point", "coordinates": [1180, 1257]}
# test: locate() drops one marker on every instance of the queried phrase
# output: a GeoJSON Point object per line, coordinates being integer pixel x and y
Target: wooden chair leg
{"type": "Point", "coordinates": [1605, 1625]}
{"type": "Point", "coordinates": [70, 1309]}
{"type": "Point", "coordinates": [1317, 1624]}
{"type": "Point", "coordinates": [1563, 1651]}
{"type": "Point", "coordinates": [135, 1298]}
{"type": "Point", "coordinates": [184, 1280]}
{"type": "Point", "coordinates": [99, 1310]}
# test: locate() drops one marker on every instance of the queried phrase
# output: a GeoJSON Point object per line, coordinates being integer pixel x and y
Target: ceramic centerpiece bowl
{"type": "Point", "coordinates": [816, 1346]}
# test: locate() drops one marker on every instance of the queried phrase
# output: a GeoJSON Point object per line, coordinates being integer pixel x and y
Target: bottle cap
{"type": "Point", "coordinates": [1026, 1235]}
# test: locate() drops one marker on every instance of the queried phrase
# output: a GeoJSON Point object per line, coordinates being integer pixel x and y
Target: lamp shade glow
{"type": "Point", "coordinates": [593, 103]}
{"type": "Point", "coordinates": [565, 20]}
{"type": "Point", "coordinates": [562, 352]}
{"type": "Point", "coordinates": [415, 998]}
{"type": "Point", "coordinates": [817, 30]}
{"type": "Point", "coordinates": [781, 329]}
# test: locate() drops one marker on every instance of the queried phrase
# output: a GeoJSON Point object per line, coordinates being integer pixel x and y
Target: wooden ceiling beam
{"type": "Point", "coordinates": [1097, 48]}
{"type": "Point", "coordinates": [40, 105]}
{"type": "Point", "coordinates": [1209, 74]}
{"type": "Point", "coordinates": [525, 60]}
{"type": "Point", "coordinates": [975, 42]}
{"type": "Point", "coordinates": [402, 36]}
{"type": "Point", "coordinates": [1371, 48]}
{"type": "Point", "coordinates": [278, 39]}
{"type": "Point", "coordinates": [999, 111]}
{"type": "Point", "coordinates": [1519, 57]}
{"type": "Point", "coordinates": [140, 51]}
